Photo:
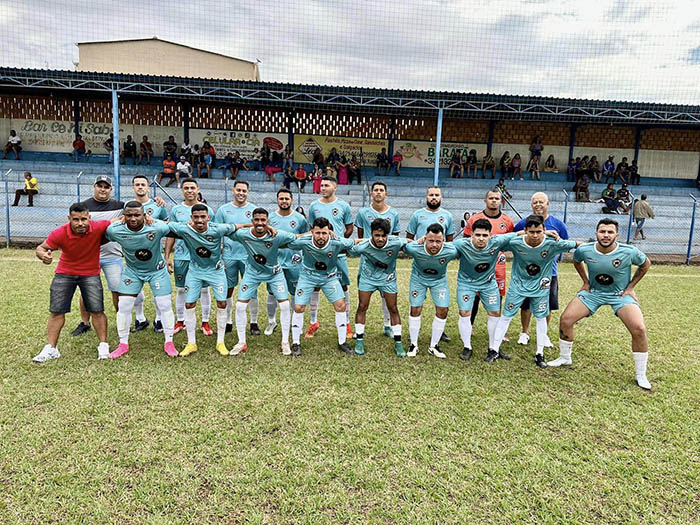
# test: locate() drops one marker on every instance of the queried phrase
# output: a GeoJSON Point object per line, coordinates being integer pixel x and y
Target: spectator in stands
{"type": "Point", "coordinates": [516, 167]}
{"type": "Point", "coordinates": [455, 164]}
{"type": "Point", "coordinates": [488, 163]}
{"type": "Point", "coordinates": [382, 162]}
{"type": "Point", "coordinates": [571, 171]}
{"type": "Point", "coordinates": [342, 168]}
{"type": "Point", "coordinates": [594, 169]}
{"type": "Point", "coordinates": [550, 165]}
{"type": "Point", "coordinates": [609, 197]}
{"type": "Point", "coordinates": [300, 177]}
{"type": "Point", "coordinates": [227, 164]}
{"type": "Point", "coordinates": [581, 189]}
{"type": "Point", "coordinates": [536, 147]}
{"type": "Point", "coordinates": [274, 166]}
{"type": "Point", "coordinates": [316, 177]}
{"type": "Point", "coordinates": [641, 212]}
{"type": "Point", "coordinates": [318, 159]}
{"type": "Point", "coordinates": [505, 164]}
{"type": "Point", "coordinates": [624, 198]}
{"type": "Point", "coordinates": [354, 170]}
{"type": "Point", "coordinates": [200, 197]}
{"type": "Point", "coordinates": [288, 177]}
{"type": "Point", "coordinates": [254, 161]}
{"type": "Point", "coordinates": [235, 164]}
{"type": "Point", "coordinates": [396, 161]}
{"type": "Point", "coordinates": [465, 219]}
{"type": "Point", "coordinates": [129, 150]}
{"type": "Point", "coordinates": [14, 143]}
{"type": "Point", "coordinates": [287, 158]}
{"type": "Point", "coordinates": [31, 188]}
{"type": "Point", "coordinates": [265, 156]}
{"type": "Point", "coordinates": [634, 177]}
{"type": "Point", "coordinates": [145, 150]}
{"type": "Point", "coordinates": [170, 171]}
{"type": "Point", "coordinates": [501, 186]}
{"type": "Point", "coordinates": [109, 146]}
{"type": "Point", "coordinates": [170, 148]}
{"type": "Point", "coordinates": [79, 149]}
{"type": "Point", "coordinates": [534, 167]}
{"type": "Point", "coordinates": [183, 169]}
{"type": "Point", "coordinates": [621, 171]}
{"type": "Point", "coordinates": [471, 164]}
{"type": "Point", "coordinates": [186, 150]}
{"type": "Point", "coordinates": [609, 168]}
{"type": "Point", "coordinates": [205, 161]}
{"type": "Point", "coordinates": [332, 159]}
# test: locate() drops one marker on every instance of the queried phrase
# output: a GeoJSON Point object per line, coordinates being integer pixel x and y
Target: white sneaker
{"type": "Point", "coordinates": [643, 382]}
{"type": "Point", "coordinates": [560, 361]}
{"type": "Point", "coordinates": [46, 354]}
{"type": "Point", "coordinates": [523, 338]}
{"type": "Point", "coordinates": [436, 352]}
{"type": "Point", "coordinates": [286, 349]}
{"type": "Point", "coordinates": [412, 351]}
{"type": "Point", "coordinates": [240, 347]}
{"type": "Point", "coordinates": [102, 351]}
{"type": "Point", "coordinates": [270, 328]}
{"type": "Point", "coordinates": [548, 342]}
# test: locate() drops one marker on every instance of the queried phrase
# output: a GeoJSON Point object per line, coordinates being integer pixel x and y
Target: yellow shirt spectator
{"type": "Point", "coordinates": [31, 183]}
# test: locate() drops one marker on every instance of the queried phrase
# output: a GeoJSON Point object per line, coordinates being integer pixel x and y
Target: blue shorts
{"type": "Point", "coordinates": [291, 277]}
{"type": "Point", "coordinates": [343, 272]}
{"type": "Point", "coordinates": [330, 286]}
{"type": "Point", "coordinates": [132, 282]}
{"type": "Point", "coordinates": [489, 294]}
{"type": "Point", "coordinates": [539, 304]}
{"type": "Point", "coordinates": [593, 301]}
{"type": "Point", "coordinates": [276, 285]}
{"type": "Point", "coordinates": [439, 291]}
{"type": "Point", "coordinates": [367, 285]}
{"type": "Point", "coordinates": [180, 270]}
{"type": "Point", "coordinates": [235, 270]}
{"type": "Point", "coordinates": [112, 268]}
{"type": "Point", "coordinates": [198, 278]}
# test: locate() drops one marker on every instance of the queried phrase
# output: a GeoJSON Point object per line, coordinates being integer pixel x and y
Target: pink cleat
{"type": "Point", "coordinates": [169, 348]}
{"type": "Point", "coordinates": [122, 349]}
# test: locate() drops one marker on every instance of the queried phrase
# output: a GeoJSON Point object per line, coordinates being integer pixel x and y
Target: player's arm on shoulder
{"type": "Point", "coordinates": [43, 253]}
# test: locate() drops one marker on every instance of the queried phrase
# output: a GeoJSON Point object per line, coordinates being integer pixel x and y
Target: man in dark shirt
{"type": "Point", "coordinates": [382, 162]}
{"type": "Point", "coordinates": [169, 148]}
{"type": "Point", "coordinates": [129, 150]}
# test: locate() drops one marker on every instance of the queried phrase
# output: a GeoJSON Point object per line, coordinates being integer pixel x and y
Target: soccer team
{"type": "Point", "coordinates": [297, 258]}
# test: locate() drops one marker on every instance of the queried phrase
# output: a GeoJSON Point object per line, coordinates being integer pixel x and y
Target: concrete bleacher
{"type": "Point", "coordinates": [667, 234]}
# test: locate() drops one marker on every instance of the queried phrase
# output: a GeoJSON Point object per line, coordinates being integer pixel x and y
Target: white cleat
{"type": "Point", "coordinates": [412, 351]}
{"type": "Point", "coordinates": [103, 351]}
{"type": "Point", "coordinates": [643, 382]}
{"type": "Point", "coordinates": [560, 361]}
{"type": "Point", "coordinates": [46, 354]}
{"type": "Point", "coordinates": [436, 352]}
{"type": "Point", "coordinates": [270, 328]}
{"type": "Point", "coordinates": [240, 347]}
{"type": "Point", "coordinates": [548, 342]}
{"type": "Point", "coordinates": [524, 339]}
{"type": "Point", "coordinates": [286, 349]}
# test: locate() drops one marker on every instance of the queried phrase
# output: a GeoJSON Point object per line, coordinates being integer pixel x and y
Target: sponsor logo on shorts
{"type": "Point", "coordinates": [150, 236]}
{"type": "Point", "coordinates": [510, 306]}
{"type": "Point", "coordinates": [414, 293]}
{"type": "Point", "coordinates": [300, 292]}
{"type": "Point", "coordinates": [127, 281]}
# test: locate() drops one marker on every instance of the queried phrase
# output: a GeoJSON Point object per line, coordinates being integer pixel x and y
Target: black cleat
{"type": "Point", "coordinates": [158, 327]}
{"type": "Point", "coordinates": [254, 330]}
{"type": "Point", "coordinates": [229, 328]}
{"type": "Point", "coordinates": [345, 348]}
{"type": "Point", "coordinates": [444, 338]}
{"type": "Point", "coordinates": [138, 326]}
{"type": "Point", "coordinates": [296, 350]}
{"type": "Point", "coordinates": [491, 356]}
{"type": "Point", "coordinates": [503, 356]}
{"type": "Point", "coordinates": [539, 361]}
{"type": "Point", "coordinates": [466, 354]}
{"type": "Point", "coordinates": [81, 329]}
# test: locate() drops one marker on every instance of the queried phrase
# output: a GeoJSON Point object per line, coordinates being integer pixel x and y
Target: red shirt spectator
{"type": "Point", "coordinates": [300, 173]}
{"type": "Point", "coordinates": [169, 166]}
{"type": "Point", "coordinates": [80, 254]}
{"type": "Point", "coordinates": [79, 143]}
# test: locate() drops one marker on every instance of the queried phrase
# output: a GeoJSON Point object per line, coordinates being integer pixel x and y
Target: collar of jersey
{"type": "Point", "coordinates": [595, 247]}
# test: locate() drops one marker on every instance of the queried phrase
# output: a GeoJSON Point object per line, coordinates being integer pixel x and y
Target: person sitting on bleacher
{"type": "Point", "coordinates": [186, 150]}
{"type": "Point", "coordinates": [79, 149]}
{"type": "Point", "coordinates": [183, 168]}
{"type": "Point", "coordinates": [581, 189]}
{"type": "Point", "coordinates": [208, 149]}
{"type": "Point", "coordinates": [621, 171]}
{"type": "Point", "coordinates": [550, 165]}
{"type": "Point", "coordinates": [170, 148]}
{"type": "Point", "coordinates": [145, 150]}
{"type": "Point", "coordinates": [129, 150]}
{"type": "Point", "coordinates": [609, 197]}
{"type": "Point", "coordinates": [634, 176]}
{"type": "Point", "coordinates": [170, 171]}
{"type": "Point", "coordinates": [594, 168]}
{"type": "Point", "coordinates": [109, 146]}
{"type": "Point", "coordinates": [624, 198]}
{"type": "Point", "coordinates": [31, 188]}
{"type": "Point", "coordinates": [14, 143]}
{"type": "Point", "coordinates": [609, 168]}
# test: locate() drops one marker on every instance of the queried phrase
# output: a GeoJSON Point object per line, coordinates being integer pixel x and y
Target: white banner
{"type": "Point", "coordinates": [421, 154]}
{"type": "Point", "coordinates": [245, 142]}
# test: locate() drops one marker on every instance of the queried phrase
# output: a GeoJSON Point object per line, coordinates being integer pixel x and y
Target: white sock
{"type": "Point", "coordinates": [241, 320]}
{"type": "Point", "coordinates": [340, 324]}
{"type": "Point", "coordinates": [347, 307]}
{"type": "Point", "coordinates": [413, 329]}
{"type": "Point", "coordinates": [165, 308]}
{"type": "Point", "coordinates": [541, 334]}
{"type": "Point", "coordinates": [565, 348]}
{"type": "Point", "coordinates": [191, 324]}
{"type": "Point", "coordinates": [229, 310]}
{"type": "Point", "coordinates": [206, 304]}
{"type": "Point", "coordinates": [126, 305]}
{"type": "Point", "coordinates": [297, 325]}
{"type": "Point", "coordinates": [155, 307]}
{"type": "Point", "coordinates": [220, 324]}
{"type": "Point", "coordinates": [465, 331]}
{"type": "Point", "coordinates": [491, 325]}
{"type": "Point", "coordinates": [436, 331]}
{"type": "Point", "coordinates": [359, 330]}
{"type": "Point", "coordinates": [180, 304]}
{"type": "Point", "coordinates": [253, 307]}
{"type": "Point", "coordinates": [397, 332]}
{"type": "Point", "coordinates": [271, 308]}
{"type": "Point", "coordinates": [640, 363]}
{"type": "Point", "coordinates": [385, 313]}
{"type": "Point", "coordinates": [285, 320]}
{"type": "Point", "coordinates": [500, 333]}
{"type": "Point", "coordinates": [138, 307]}
{"type": "Point", "coordinates": [313, 305]}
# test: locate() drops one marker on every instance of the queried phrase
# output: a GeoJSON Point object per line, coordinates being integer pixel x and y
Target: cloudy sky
{"type": "Point", "coordinates": [639, 50]}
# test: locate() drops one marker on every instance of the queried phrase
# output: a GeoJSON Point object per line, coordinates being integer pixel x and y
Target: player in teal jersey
{"type": "Point", "coordinates": [429, 272]}
{"type": "Point", "coordinates": [531, 277]}
{"type": "Point", "coordinates": [262, 266]}
{"type": "Point", "coordinates": [319, 270]}
{"type": "Point", "coordinates": [144, 264]}
{"type": "Point", "coordinates": [238, 211]}
{"type": "Point", "coordinates": [339, 215]}
{"type": "Point", "coordinates": [378, 273]}
{"type": "Point", "coordinates": [378, 209]}
{"type": "Point", "coordinates": [288, 220]}
{"type": "Point", "coordinates": [182, 213]}
{"type": "Point", "coordinates": [607, 281]}
{"type": "Point", "coordinates": [478, 256]}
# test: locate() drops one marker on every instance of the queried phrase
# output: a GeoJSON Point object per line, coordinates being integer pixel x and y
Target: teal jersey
{"type": "Point", "coordinates": [321, 262]}
{"type": "Point", "coordinates": [609, 272]}
{"type": "Point", "coordinates": [430, 268]}
{"type": "Point", "coordinates": [204, 248]}
{"type": "Point", "coordinates": [337, 212]}
{"type": "Point", "coordinates": [421, 219]}
{"type": "Point", "coordinates": [262, 251]}
{"type": "Point", "coordinates": [532, 265]}
{"type": "Point", "coordinates": [141, 248]}
{"type": "Point", "coordinates": [295, 223]}
{"type": "Point", "coordinates": [477, 267]}
{"type": "Point", "coordinates": [379, 264]}
{"type": "Point", "coordinates": [366, 215]}
{"type": "Point", "coordinates": [155, 211]}
{"type": "Point", "coordinates": [183, 213]}
{"type": "Point", "coordinates": [231, 214]}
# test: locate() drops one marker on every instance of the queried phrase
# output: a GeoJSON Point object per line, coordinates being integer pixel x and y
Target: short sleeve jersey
{"type": "Point", "coordinates": [141, 248]}
{"type": "Point", "coordinates": [532, 265]}
{"type": "Point", "coordinates": [262, 251]}
{"type": "Point", "coordinates": [609, 272]}
{"type": "Point", "coordinates": [320, 261]}
{"type": "Point", "coordinates": [430, 268]}
{"type": "Point", "coordinates": [155, 211]}
{"type": "Point", "coordinates": [379, 264]}
{"type": "Point", "coordinates": [477, 266]}
{"type": "Point", "coordinates": [367, 214]}
{"type": "Point", "coordinates": [499, 224]}
{"type": "Point", "coordinates": [550, 223]}
{"type": "Point", "coordinates": [106, 211]}
{"type": "Point", "coordinates": [204, 248]}
{"type": "Point", "coordinates": [232, 214]}
{"type": "Point", "coordinates": [337, 212]}
{"type": "Point", "coordinates": [183, 213]}
{"type": "Point", "coordinates": [295, 223]}
{"type": "Point", "coordinates": [421, 219]}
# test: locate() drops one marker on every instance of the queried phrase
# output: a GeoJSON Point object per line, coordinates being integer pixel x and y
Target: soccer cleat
{"type": "Point", "coordinates": [46, 354]}
{"type": "Point", "coordinates": [466, 354]}
{"type": "Point", "coordinates": [238, 348]}
{"type": "Point", "coordinates": [81, 329]}
{"type": "Point", "coordinates": [286, 350]}
{"type": "Point", "coordinates": [103, 351]}
{"type": "Point", "coordinates": [560, 361]}
{"type": "Point", "coordinates": [296, 350]}
{"type": "Point", "coordinates": [643, 382]}
{"type": "Point", "coordinates": [539, 361]}
{"type": "Point", "coordinates": [190, 348]}
{"type": "Point", "coordinates": [398, 348]}
{"type": "Point", "coordinates": [254, 330]}
{"type": "Point", "coordinates": [158, 327]}
{"type": "Point", "coordinates": [229, 328]}
{"type": "Point", "coordinates": [436, 352]}
{"type": "Point", "coordinates": [388, 332]}
{"type": "Point", "coordinates": [444, 338]}
{"type": "Point", "coordinates": [503, 356]}
{"type": "Point", "coordinates": [345, 348]}
{"type": "Point", "coordinates": [169, 349]}
{"type": "Point", "coordinates": [119, 351]}
{"type": "Point", "coordinates": [140, 325]}
{"type": "Point", "coordinates": [221, 348]}
{"type": "Point", "coordinates": [412, 351]}
{"type": "Point", "coordinates": [523, 339]}
{"type": "Point", "coordinates": [491, 356]}
{"type": "Point", "coordinates": [360, 347]}
{"type": "Point", "coordinates": [349, 332]}
{"type": "Point", "coordinates": [270, 328]}
{"type": "Point", "coordinates": [206, 329]}
{"type": "Point", "coordinates": [311, 330]}
{"type": "Point", "coordinates": [178, 327]}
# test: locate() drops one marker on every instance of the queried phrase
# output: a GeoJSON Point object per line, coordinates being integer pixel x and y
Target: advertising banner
{"type": "Point", "coordinates": [245, 142]}
{"type": "Point", "coordinates": [421, 154]}
{"type": "Point", "coordinates": [365, 149]}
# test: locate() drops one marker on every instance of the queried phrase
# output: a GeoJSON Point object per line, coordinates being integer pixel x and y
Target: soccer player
{"type": "Point", "coordinates": [288, 220]}
{"type": "Point", "coordinates": [262, 266]}
{"type": "Point", "coordinates": [339, 216]}
{"type": "Point", "coordinates": [607, 281]}
{"type": "Point", "coordinates": [182, 213]}
{"type": "Point", "coordinates": [540, 206]}
{"type": "Point", "coordinates": [140, 244]}
{"type": "Point", "coordinates": [378, 273]}
{"type": "Point", "coordinates": [429, 272]}
{"type": "Point", "coordinates": [319, 269]}
{"type": "Point", "coordinates": [533, 256]}
{"type": "Point", "coordinates": [378, 209]}
{"type": "Point", "coordinates": [238, 211]}
{"type": "Point", "coordinates": [479, 257]}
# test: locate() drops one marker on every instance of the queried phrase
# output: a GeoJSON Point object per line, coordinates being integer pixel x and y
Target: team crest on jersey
{"type": "Point", "coordinates": [143, 255]}
{"type": "Point", "coordinates": [441, 219]}
{"type": "Point", "coordinates": [187, 289]}
{"type": "Point", "coordinates": [442, 260]}
{"type": "Point", "coordinates": [149, 211]}
{"type": "Point", "coordinates": [389, 253]}
{"type": "Point", "coordinates": [296, 258]}
{"type": "Point", "coordinates": [336, 211]}
{"type": "Point", "coordinates": [616, 263]}
{"type": "Point", "coordinates": [248, 214]}
{"type": "Point", "coordinates": [127, 282]}
{"type": "Point", "coordinates": [502, 226]}
{"type": "Point", "coordinates": [330, 254]}
{"type": "Point", "coordinates": [209, 238]}
{"type": "Point", "coordinates": [544, 254]}
{"type": "Point", "coordinates": [293, 224]}
{"type": "Point", "coordinates": [414, 293]}
{"type": "Point", "coordinates": [150, 236]}
{"type": "Point", "coordinates": [268, 244]}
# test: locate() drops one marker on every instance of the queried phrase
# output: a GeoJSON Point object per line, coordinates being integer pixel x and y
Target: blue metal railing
{"type": "Point", "coordinates": [692, 229]}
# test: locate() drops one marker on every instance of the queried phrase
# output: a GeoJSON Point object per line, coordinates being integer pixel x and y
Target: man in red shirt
{"type": "Point", "coordinates": [79, 148]}
{"type": "Point", "coordinates": [78, 266]}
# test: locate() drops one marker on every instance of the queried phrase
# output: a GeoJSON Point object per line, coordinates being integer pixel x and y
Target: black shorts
{"type": "Point", "coordinates": [553, 296]}
{"type": "Point", "coordinates": [63, 287]}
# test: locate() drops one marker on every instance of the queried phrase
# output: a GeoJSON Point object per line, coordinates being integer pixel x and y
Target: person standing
{"type": "Point", "coordinates": [31, 188]}
{"type": "Point", "coordinates": [641, 212]}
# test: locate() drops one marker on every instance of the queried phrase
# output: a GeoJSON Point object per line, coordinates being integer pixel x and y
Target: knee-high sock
{"type": "Point", "coordinates": [155, 307]}
{"type": "Point", "coordinates": [220, 324]}
{"type": "Point", "coordinates": [206, 304]}
{"type": "Point", "coordinates": [341, 325]}
{"type": "Point", "coordinates": [165, 307]}
{"type": "Point", "coordinates": [229, 310]}
{"type": "Point", "coordinates": [191, 324]}
{"type": "Point", "coordinates": [180, 304]}
{"type": "Point", "coordinates": [313, 305]}
{"type": "Point", "coordinates": [385, 313]}
{"type": "Point", "coordinates": [565, 349]}
{"type": "Point", "coordinates": [297, 325]}
{"type": "Point", "coordinates": [253, 306]}
{"type": "Point", "coordinates": [241, 320]}
{"type": "Point", "coordinates": [413, 329]}
{"type": "Point", "coordinates": [271, 308]}
{"type": "Point", "coordinates": [465, 331]}
{"type": "Point", "coordinates": [396, 329]}
{"type": "Point", "coordinates": [436, 331]}
{"type": "Point", "coordinates": [126, 305]}
{"type": "Point", "coordinates": [347, 307]}
{"type": "Point", "coordinates": [491, 325]}
{"type": "Point", "coordinates": [640, 363]}
{"type": "Point", "coordinates": [285, 319]}
{"type": "Point", "coordinates": [541, 334]}
{"type": "Point", "coordinates": [500, 333]}
{"type": "Point", "coordinates": [138, 307]}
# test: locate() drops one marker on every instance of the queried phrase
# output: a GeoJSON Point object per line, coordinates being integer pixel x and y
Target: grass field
{"type": "Point", "coordinates": [327, 438]}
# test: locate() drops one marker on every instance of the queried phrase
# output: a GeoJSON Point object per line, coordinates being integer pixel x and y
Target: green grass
{"type": "Point", "coordinates": [327, 438]}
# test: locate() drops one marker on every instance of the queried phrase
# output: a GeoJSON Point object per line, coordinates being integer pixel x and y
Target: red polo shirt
{"type": "Point", "coordinates": [80, 254]}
